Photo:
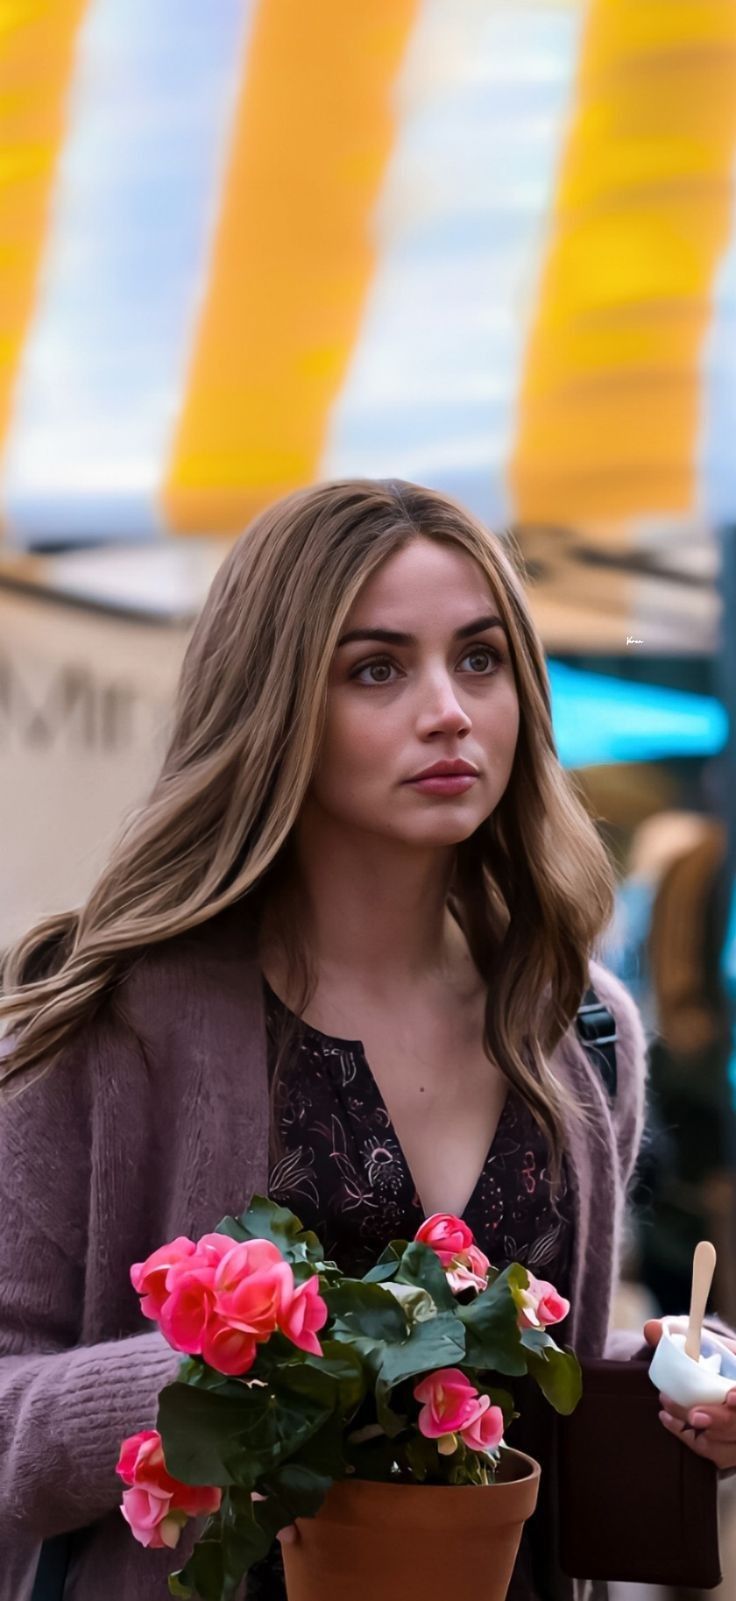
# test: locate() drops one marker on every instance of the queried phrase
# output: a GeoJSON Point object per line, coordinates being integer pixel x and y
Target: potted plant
{"type": "Point", "coordinates": [357, 1408]}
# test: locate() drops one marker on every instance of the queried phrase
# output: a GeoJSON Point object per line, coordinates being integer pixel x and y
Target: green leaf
{"type": "Point", "coordinates": [365, 1309]}
{"type": "Point", "coordinates": [493, 1337]}
{"type": "Point", "coordinates": [302, 1483]}
{"type": "Point", "coordinates": [390, 1257]}
{"type": "Point", "coordinates": [342, 1363]}
{"type": "Point", "coordinates": [505, 1400]}
{"type": "Point", "coordinates": [323, 1455]}
{"type": "Point", "coordinates": [313, 1384]}
{"type": "Point", "coordinates": [391, 1422]}
{"type": "Point", "coordinates": [372, 1459]}
{"type": "Point", "coordinates": [381, 1273]}
{"type": "Point", "coordinates": [293, 1491]}
{"type": "Point", "coordinates": [536, 1339]}
{"type": "Point", "coordinates": [297, 1488]}
{"type": "Point", "coordinates": [202, 1430]}
{"type": "Point", "coordinates": [212, 1438]}
{"type": "Point", "coordinates": [176, 1587]}
{"type": "Point", "coordinates": [230, 1544]}
{"type": "Point", "coordinates": [558, 1375]}
{"type": "Point", "coordinates": [421, 1266]}
{"type": "Point", "coordinates": [264, 1220]}
{"type": "Point", "coordinates": [194, 1372]}
{"type": "Point", "coordinates": [233, 1229]}
{"type": "Point", "coordinates": [438, 1343]}
{"type": "Point", "coordinates": [421, 1456]}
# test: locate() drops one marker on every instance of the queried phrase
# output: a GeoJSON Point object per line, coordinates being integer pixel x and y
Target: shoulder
{"type": "Point", "coordinates": [189, 975]}
{"type": "Point", "coordinates": [619, 1122]}
{"type": "Point", "coordinates": [631, 1043]}
{"type": "Point", "coordinates": [153, 1001]}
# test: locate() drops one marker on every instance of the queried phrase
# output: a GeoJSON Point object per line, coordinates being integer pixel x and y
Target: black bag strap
{"type": "Point", "coordinates": [596, 1026]}
{"type": "Point", "coordinates": [53, 1567]}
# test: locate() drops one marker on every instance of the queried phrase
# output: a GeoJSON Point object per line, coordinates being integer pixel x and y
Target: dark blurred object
{"type": "Point", "coordinates": [685, 1188]}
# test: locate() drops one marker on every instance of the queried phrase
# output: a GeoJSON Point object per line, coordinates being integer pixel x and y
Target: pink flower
{"type": "Point", "coordinates": [464, 1263]}
{"type": "Point", "coordinates": [190, 1303]}
{"type": "Point", "coordinates": [248, 1285]}
{"type": "Point", "coordinates": [468, 1270]}
{"type": "Point", "coordinates": [157, 1505]}
{"type": "Point", "coordinates": [251, 1283]}
{"type": "Point", "coordinates": [302, 1314]}
{"type": "Point", "coordinates": [176, 1281]}
{"type": "Point", "coordinates": [149, 1277]}
{"type": "Point", "coordinates": [226, 1349]}
{"type": "Point", "coordinates": [450, 1403]}
{"type": "Point", "coordinates": [540, 1304]}
{"type": "Point", "coordinates": [222, 1298]}
{"type": "Point", "coordinates": [445, 1234]}
{"type": "Point", "coordinates": [214, 1248]}
{"type": "Point", "coordinates": [486, 1430]}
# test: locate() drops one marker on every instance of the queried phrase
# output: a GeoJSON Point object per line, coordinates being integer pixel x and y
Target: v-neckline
{"type": "Point", "coordinates": [358, 1048]}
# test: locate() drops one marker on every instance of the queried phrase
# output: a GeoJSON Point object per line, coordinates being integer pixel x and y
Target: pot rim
{"type": "Point", "coordinates": [531, 1471]}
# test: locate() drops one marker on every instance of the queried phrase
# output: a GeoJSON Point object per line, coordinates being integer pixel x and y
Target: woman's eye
{"type": "Point", "coordinates": [487, 651]}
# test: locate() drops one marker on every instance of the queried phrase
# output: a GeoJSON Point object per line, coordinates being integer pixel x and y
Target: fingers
{"type": "Point", "coordinates": [721, 1453]}
{"type": "Point", "coordinates": [288, 1535]}
{"type": "Point", "coordinates": [720, 1415]}
{"type": "Point", "coordinates": [682, 1413]}
{"type": "Point", "coordinates": [653, 1329]}
{"type": "Point", "coordinates": [709, 1431]}
{"type": "Point", "coordinates": [720, 1420]}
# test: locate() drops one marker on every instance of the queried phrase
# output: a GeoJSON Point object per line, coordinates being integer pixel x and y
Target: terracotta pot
{"type": "Point", "coordinates": [395, 1542]}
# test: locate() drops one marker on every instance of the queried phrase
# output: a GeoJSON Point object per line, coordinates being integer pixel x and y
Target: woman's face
{"type": "Point", "coordinates": [395, 708]}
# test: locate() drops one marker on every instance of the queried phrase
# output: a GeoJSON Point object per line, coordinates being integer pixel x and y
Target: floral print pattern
{"type": "Point", "coordinates": [345, 1175]}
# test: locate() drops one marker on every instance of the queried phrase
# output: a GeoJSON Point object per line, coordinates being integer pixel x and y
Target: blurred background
{"type": "Point", "coordinates": [488, 247]}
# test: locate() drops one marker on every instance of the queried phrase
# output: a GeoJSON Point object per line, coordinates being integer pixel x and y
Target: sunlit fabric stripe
{"type": "Point", "coordinates": [125, 266]}
{"type": "Point", "coordinates": [37, 45]}
{"type": "Point", "coordinates": [431, 387]}
{"type": "Point", "coordinates": [609, 412]}
{"type": "Point", "coordinates": [293, 257]}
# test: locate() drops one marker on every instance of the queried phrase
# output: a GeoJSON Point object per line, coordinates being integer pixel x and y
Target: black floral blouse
{"type": "Point", "coordinates": [345, 1176]}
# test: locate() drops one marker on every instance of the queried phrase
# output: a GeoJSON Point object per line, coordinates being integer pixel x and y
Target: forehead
{"type": "Point", "coordinates": [423, 576]}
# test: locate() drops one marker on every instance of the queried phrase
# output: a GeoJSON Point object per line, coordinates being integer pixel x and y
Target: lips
{"type": "Point", "coordinates": [456, 769]}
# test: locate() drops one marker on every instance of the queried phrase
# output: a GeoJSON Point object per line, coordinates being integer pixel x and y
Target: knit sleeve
{"type": "Point", "coordinates": [64, 1406]}
{"type": "Point", "coordinates": [632, 1057]}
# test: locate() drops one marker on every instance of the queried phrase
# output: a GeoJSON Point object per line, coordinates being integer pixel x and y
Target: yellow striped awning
{"type": "Point", "coordinates": [489, 247]}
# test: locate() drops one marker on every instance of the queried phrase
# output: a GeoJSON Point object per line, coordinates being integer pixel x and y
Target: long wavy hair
{"type": "Point", "coordinates": [532, 888]}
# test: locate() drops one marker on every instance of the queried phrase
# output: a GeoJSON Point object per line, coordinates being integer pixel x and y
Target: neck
{"type": "Point", "coordinates": [377, 909]}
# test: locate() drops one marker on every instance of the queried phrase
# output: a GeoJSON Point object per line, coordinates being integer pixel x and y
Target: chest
{"type": "Point", "coordinates": [358, 1178]}
{"type": "Point", "coordinates": [442, 1094]}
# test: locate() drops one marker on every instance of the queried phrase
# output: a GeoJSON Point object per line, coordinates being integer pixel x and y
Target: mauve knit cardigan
{"type": "Point", "coordinates": [153, 1123]}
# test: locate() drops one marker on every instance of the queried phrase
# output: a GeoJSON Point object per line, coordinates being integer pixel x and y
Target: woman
{"type": "Point", "coordinates": [304, 968]}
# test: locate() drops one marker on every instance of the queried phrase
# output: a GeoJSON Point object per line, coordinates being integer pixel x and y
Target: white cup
{"type": "Point", "coordinates": [707, 1381]}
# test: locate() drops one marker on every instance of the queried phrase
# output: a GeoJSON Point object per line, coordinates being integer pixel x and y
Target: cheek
{"type": "Point", "coordinates": [502, 726]}
{"type": "Point", "coordinates": [356, 745]}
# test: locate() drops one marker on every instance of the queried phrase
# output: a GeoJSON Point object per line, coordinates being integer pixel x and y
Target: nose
{"type": "Point", "coordinates": [441, 710]}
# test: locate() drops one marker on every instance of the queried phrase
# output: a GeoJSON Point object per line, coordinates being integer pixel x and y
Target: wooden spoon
{"type": "Point", "coordinates": [704, 1261]}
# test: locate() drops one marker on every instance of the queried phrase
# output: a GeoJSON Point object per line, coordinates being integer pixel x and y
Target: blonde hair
{"type": "Point", "coordinates": [532, 887]}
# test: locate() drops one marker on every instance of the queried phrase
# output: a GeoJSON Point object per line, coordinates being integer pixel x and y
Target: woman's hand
{"type": "Point", "coordinates": [709, 1428]}
{"type": "Point", "coordinates": [288, 1535]}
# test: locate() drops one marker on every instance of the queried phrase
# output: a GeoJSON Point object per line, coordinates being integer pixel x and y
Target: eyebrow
{"type": "Point", "coordinates": [387, 636]}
